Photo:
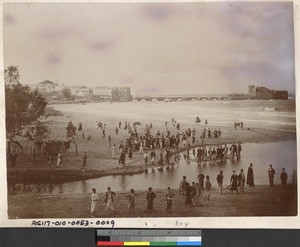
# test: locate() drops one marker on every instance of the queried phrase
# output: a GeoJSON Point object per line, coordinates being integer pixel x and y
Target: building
{"type": "Point", "coordinates": [84, 91]}
{"type": "Point", "coordinates": [75, 90]}
{"type": "Point", "coordinates": [121, 94]}
{"type": "Point", "coordinates": [46, 87]}
{"type": "Point", "coordinates": [104, 93]}
{"type": "Point", "coordinates": [266, 93]}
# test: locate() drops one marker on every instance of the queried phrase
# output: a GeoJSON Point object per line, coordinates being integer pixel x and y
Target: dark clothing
{"type": "Point", "coordinates": [150, 198]}
{"type": "Point", "coordinates": [188, 198]}
{"type": "Point", "coordinates": [250, 177]}
{"type": "Point", "coordinates": [220, 178]}
{"type": "Point", "coordinates": [13, 159]}
{"type": "Point", "coordinates": [112, 195]}
{"type": "Point", "coordinates": [233, 182]}
{"type": "Point", "coordinates": [271, 173]}
{"type": "Point", "coordinates": [283, 178]}
{"type": "Point", "coordinates": [201, 180]}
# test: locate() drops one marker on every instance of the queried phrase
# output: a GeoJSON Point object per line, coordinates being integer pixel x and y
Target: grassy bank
{"type": "Point", "coordinates": [256, 201]}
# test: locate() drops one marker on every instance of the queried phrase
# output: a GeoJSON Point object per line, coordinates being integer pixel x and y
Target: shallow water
{"type": "Point", "coordinates": [279, 154]}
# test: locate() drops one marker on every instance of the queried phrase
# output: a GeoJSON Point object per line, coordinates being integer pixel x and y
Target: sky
{"type": "Point", "coordinates": [153, 48]}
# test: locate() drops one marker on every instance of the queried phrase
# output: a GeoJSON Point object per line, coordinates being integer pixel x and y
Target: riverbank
{"type": "Point", "coordinates": [256, 201]}
{"type": "Point", "coordinates": [100, 161]}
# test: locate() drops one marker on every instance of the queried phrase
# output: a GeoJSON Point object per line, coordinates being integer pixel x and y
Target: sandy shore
{"type": "Point", "coordinates": [100, 162]}
{"type": "Point", "coordinates": [256, 201]}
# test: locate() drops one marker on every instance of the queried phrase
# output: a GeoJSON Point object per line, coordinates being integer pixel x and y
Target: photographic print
{"type": "Point", "coordinates": [150, 110]}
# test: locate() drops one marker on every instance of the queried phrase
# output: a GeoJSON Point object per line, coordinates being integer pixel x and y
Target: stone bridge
{"type": "Point", "coordinates": [177, 98]}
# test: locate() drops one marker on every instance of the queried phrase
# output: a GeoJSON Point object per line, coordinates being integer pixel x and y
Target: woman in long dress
{"type": "Point", "coordinates": [234, 182]}
{"type": "Point", "coordinates": [250, 176]}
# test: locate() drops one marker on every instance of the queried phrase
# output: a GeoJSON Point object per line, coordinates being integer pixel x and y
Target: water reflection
{"type": "Point", "coordinates": [84, 187]}
{"type": "Point", "coordinates": [122, 182]}
{"type": "Point", "coordinates": [280, 154]}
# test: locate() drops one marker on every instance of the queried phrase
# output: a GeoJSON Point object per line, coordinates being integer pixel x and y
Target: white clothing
{"type": "Point", "coordinates": [94, 198]}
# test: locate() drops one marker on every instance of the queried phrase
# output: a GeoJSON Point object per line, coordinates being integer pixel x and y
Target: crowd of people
{"type": "Point", "coordinates": [169, 145]}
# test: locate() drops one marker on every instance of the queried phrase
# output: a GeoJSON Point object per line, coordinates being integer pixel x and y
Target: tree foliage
{"type": "Point", "coordinates": [22, 106]}
{"type": "Point", "coordinates": [66, 92]}
{"type": "Point", "coordinates": [12, 75]}
{"type": "Point", "coordinates": [71, 132]}
{"type": "Point", "coordinates": [37, 131]}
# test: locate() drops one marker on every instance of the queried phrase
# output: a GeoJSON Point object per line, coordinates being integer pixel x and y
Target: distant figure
{"type": "Point", "coordinates": [117, 130]}
{"type": "Point", "coordinates": [59, 160]}
{"type": "Point", "coordinates": [201, 178]}
{"type": "Point", "coordinates": [233, 182]}
{"type": "Point", "coordinates": [152, 157]}
{"type": "Point", "coordinates": [220, 178]}
{"type": "Point", "coordinates": [169, 197]}
{"type": "Point", "coordinates": [242, 125]}
{"type": "Point", "coordinates": [188, 194]}
{"type": "Point", "coordinates": [130, 153]}
{"type": "Point", "coordinates": [84, 158]}
{"type": "Point", "coordinates": [80, 127]}
{"type": "Point", "coordinates": [283, 177]}
{"type": "Point", "coordinates": [141, 151]}
{"type": "Point", "coordinates": [294, 177]}
{"type": "Point", "coordinates": [183, 185]}
{"type": "Point", "coordinates": [146, 158]}
{"type": "Point", "coordinates": [250, 176]}
{"type": "Point", "coordinates": [131, 198]}
{"type": "Point", "coordinates": [271, 173]}
{"type": "Point", "coordinates": [241, 181]}
{"type": "Point", "coordinates": [109, 141]}
{"type": "Point", "coordinates": [82, 135]}
{"type": "Point", "coordinates": [50, 160]}
{"type": "Point", "coordinates": [150, 198]}
{"type": "Point", "coordinates": [113, 151]}
{"type": "Point", "coordinates": [161, 158]}
{"type": "Point", "coordinates": [206, 122]}
{"type": "Point", "coordinates": [122, 159]}
{"type": "Point", "coordinates": [94, 198]}
{"type": "Point", "coordinates": [13, 158]}
{"type": "Point", "coordinates": [207, 188]}
{"type": "Point", "coordinates": [109, 199]}
{"type": "Point", "coordinates": [197, 195]}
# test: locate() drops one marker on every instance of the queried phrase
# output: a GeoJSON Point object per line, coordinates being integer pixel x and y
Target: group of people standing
{"type": "Point", "coordinates": [150, 197]}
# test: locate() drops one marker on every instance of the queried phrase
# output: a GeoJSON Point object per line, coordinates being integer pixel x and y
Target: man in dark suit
{"type": "Point", "coordinates": [271, 173]}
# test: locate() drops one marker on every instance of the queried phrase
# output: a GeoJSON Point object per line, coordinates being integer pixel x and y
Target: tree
{"type": "Point", "coordinates": [71, 132]}
{"type": "Point", "coordinates": [22, 106]}
{"type": "Point", "coordinates": [12, 75]}
{"type": "Point", "coordinates": [37, 132]}
{"type": "Point", "coordinates": [66, 92]}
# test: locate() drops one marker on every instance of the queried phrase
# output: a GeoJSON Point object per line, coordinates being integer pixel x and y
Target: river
{"type": "Point", "coordinates": [279, 154]}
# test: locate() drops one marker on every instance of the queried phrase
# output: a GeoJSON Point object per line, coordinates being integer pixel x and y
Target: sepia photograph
{"type": "Point", "coordinates": [150, 110]}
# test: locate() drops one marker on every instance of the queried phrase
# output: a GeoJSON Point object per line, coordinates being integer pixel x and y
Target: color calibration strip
{"type": "Point", "coordinates": [149, 238]}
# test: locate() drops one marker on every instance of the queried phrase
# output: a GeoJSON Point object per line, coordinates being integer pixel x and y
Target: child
{"type": "Point", "coordinates": [207, 188]}
{"type": "Point", "coordinates": [94, 198]}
